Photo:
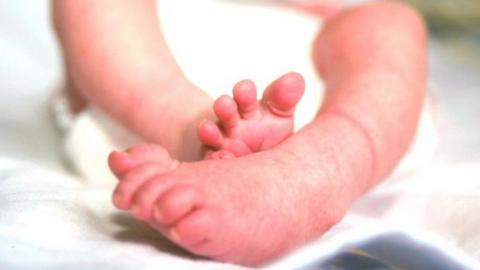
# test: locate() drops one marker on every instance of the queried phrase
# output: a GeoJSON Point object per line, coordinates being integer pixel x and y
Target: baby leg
{"type": "Point", "coordinates": [252, 209]}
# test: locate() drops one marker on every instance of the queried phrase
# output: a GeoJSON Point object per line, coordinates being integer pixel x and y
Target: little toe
{"type": "Point", "coordinates": [210, 134]}
{"type": "Point", "coordinates": [245, 94]}
{"type": "Point", "coordinates": [226, 110]}
{"type": "Point", "coordinates": [122, 196]}
{"type": "Point", "coordinates": [195, 228]}
{"type": "Point", "coordinates": [283, 94]}
{"type": "Point", "coordinates": [176, 203]}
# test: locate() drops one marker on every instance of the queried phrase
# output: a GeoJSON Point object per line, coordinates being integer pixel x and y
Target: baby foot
{"type": "Point", "coordinates": [230, 210]}
{"type": "Point", "coordinates": [246, 125]}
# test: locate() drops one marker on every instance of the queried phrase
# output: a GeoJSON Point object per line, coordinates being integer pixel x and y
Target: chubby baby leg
{"type": "Point", "coordinates": [255, 208]}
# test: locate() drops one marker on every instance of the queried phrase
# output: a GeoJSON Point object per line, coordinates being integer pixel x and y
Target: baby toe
{"type": "Point", "coordinates": [226, 110]}
{"type": "Point", "coordinates": [210, 134]}
{"type": "Point", "coordinates": [176, 203]}
{"type": "Point", "coordinates": [283, 94]}
{"type": "Point", "coordinates": [128, 185]}
{"type": "Point", "coordinates": [194, 229]}
{"type": "Point", "coordinates": [120, 163]}
{"type": "Point", "coordinates": [245, 95]}
{"type": "Point", "coordinates": [144, 198]}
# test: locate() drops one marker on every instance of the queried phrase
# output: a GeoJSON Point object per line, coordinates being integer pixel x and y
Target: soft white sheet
{"type": "Point", "coordinates": [51, 219]}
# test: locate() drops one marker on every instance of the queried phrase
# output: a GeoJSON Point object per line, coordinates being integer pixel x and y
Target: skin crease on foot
{"type": "Point", "coordinates": [256, 207]}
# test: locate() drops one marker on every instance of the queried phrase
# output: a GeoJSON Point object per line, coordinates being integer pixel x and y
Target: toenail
{"type": "Point", "coordinates": [136, 210]}
{"type": "Point", "coordinates": [174, 235]}
{"type": "Point", "coordinates": [117, 199]}
{"type": "Point", "coordinates": [157, 214]}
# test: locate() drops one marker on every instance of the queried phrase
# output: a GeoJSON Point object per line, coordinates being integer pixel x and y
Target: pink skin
{"type": "Point", "coordinates": [201, 211]}
{"type": "Point", "coordinates": [257, 207]}
{"type": "Point", "coordinates": [138, 83]}
{"type": "Point", "coordinates": [247, 125]}
{"type": "Point", "coordinates": [254, 208]}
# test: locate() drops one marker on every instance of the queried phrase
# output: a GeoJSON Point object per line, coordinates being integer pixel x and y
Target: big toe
{"type": "Point", "coordinates": [283, 94]}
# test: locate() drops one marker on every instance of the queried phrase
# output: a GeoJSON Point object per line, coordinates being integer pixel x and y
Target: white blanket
{"type": "Point", "coordinates": [52, 219]}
